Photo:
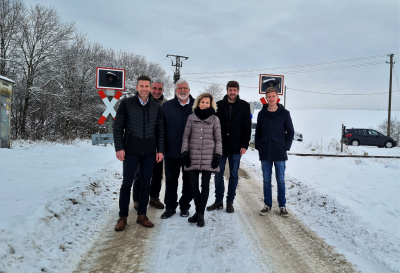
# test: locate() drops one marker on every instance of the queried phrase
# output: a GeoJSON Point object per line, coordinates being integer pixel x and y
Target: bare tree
{"type": "Point", "coordinates": [136, 65]}
{"type": "Point", "coordinates": [216, 90]}
{"type": "Point", "coordinates": [394, 129]}
{"type": "Point", "coordinates": [39, 43]}
{"type": "Point", "coordinates": [11, 14]}
{"type": "Point", "coordinates": [54, 68]}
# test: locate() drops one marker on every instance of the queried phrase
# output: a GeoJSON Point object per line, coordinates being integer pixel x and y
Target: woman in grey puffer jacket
{"type": "Point", "coordinates": [201, 151]}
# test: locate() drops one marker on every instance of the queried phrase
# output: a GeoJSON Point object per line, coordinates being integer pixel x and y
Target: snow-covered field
{"type": "Point", "coordinates": [55, 198]}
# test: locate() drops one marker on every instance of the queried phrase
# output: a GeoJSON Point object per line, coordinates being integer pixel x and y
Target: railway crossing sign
{"type": "Point", "coordinates": [109, 104]}
{"type": "Point", "coordinates": [267, 80]}
{"type": "Point", "coordinates": [110, 78]}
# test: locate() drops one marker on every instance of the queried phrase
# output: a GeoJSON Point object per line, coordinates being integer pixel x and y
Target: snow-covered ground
{"type": "Point", "coordinates": [55, 198]}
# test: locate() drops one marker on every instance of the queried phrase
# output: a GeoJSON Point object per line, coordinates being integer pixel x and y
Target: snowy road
{"type": "Point", "coordinates": [61, 219]}
{"type": "Point", "coordinates": [285, 244]}
{"type": "Point", "coordinates": [238, 242]}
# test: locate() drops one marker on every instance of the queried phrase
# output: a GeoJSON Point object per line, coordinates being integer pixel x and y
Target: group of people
{"type": "Point", "coordinates": [193, 136]}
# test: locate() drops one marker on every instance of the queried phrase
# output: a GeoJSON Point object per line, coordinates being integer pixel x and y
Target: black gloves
{"type": "Point", "coordinates": [186, 159]}
{"type": "Point", "coordinates": [215, 161]}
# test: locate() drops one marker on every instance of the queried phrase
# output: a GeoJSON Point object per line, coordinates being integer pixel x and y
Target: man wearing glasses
{"type": "Point", "coordinates": [176, 113]}
{"type": "Point", "coordinates": [157, 94]}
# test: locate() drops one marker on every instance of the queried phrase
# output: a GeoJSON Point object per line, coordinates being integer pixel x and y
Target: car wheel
{"type": "Point", "coordinates": [388, 144]}
{"type": "Point", "coordinates": [355, 143]}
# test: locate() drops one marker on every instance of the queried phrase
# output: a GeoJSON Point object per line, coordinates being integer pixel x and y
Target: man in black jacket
{"type": "Point", "coordinates": [176, 113]}
{"type": "Point", "coordinates": [234, 115]}
{"type": "Point", "coordinates": [156, 93]}
{"type": "Point", "coordinates": [274, 137]}
{"type": "Point", "coordinates": [138, 139]}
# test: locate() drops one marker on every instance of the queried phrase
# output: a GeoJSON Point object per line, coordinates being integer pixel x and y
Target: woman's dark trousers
{"type": "Point", "coordinates": [200, 198]}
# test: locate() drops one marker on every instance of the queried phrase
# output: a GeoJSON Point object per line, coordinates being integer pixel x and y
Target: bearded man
{"type": "Point", "coordinates": [176, 113]}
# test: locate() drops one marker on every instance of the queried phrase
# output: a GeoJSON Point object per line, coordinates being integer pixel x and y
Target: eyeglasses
{"type": "Point", "coordinates": [159, 89]}
{"type": "Point", "coordinates": [182, 88]}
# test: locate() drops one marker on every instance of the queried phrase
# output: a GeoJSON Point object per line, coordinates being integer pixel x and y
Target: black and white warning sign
{"type": "Point", "coordinates": [267, 80]}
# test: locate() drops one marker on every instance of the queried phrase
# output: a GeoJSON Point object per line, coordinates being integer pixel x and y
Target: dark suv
{"type": "Point", "coordinates": [368, 137]}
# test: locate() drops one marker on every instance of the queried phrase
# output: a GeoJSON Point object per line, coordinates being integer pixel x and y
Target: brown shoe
{"type": "Point", "coordinates": [136, 206]}
{"type": "Point", "coordinates": [122, 222]}
{"type": "Point", "coordinates": [144, 221]}
{"type": "Point", "coordinates": [156, 203]}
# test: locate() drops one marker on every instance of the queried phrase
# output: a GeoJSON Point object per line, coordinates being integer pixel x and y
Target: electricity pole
{"type": "Point", "coordinates": [390, 92]}
{"type": "Point", "coordinates": [178, 65]}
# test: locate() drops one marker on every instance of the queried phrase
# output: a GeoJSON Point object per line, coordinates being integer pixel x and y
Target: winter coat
{"type": "Point", "coordinates": [274, 134]}
{"type": "Point", "coordinates": [139, 129]}
{"type": "Point", "coordinates": [202, 139]}
{"type": "Point", "coordinates": [160, 101]}
{"type": "Point", "coordinates": [175, 117]}
{"type": "Point", "coordinates": [235, 124]}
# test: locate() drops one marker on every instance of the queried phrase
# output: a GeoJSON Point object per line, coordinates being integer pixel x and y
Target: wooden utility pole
{"type": "Point", "coordinates": [390, 93]}
{"type": "Point", "coordinates": [178, 65]}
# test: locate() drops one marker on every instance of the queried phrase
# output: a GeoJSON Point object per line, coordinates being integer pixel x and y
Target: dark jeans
{"type": "Point", "coordinates": [200, 198]}
{"type": "Point", "coordinates": [155, 184]}
{"type": "Point", "coordinates": [173, 168]}
{"type": "Point", "coordinates": [130, 165]}
{"type": "Point", "coordinates": [234, 162]}
{"type": "Point", "coordinates": [280, 167]}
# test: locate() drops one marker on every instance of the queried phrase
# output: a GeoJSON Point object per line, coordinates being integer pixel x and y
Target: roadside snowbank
{"type": "Point", "coordinates": [353, 203]}
{"type": "Point", "coordinates": [53, 201]}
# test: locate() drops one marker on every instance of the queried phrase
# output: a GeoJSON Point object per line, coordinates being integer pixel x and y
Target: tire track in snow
{"type": "Point", "coordinates": [123, 251]}
{"type": "Point", "coordinates": [285, 244]}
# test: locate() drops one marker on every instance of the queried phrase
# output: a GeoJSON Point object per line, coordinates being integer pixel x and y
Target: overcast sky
{"type": "Point", "coordinates": [262, 36]}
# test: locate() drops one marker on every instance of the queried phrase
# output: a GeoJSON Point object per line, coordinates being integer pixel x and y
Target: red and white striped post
{"type": "Point", "coordinates": [109, 104]}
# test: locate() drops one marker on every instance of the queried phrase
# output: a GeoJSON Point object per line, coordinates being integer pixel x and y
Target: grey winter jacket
{"type": "Point", "coordinates": [202, 138]}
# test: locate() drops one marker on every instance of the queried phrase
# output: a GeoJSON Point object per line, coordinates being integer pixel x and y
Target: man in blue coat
{"type": "Point", "coordinates": [176, 113]}
{"type": "Point", "coordinates": [274, 137]}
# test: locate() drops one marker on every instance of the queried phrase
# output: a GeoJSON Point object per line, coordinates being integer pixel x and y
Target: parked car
{"type": "Point", "coordinates": [297, 136]}
{"type": "Point", "coordinates": [368, 137]}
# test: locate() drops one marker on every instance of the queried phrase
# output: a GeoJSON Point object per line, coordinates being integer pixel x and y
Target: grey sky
{"type": "Point", "coordinates": [244, 35]}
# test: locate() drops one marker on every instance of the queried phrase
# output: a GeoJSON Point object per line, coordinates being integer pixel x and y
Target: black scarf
{"type": "Point", "coordinates": [205, 113]}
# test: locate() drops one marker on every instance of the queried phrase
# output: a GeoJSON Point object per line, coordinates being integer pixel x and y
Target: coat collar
{"type": "Point", "coordinates": [277, 112]}
{"type": "Point", "coordinates": [207, 120]}
{"type": "Point", "coordinates": [235, 106]}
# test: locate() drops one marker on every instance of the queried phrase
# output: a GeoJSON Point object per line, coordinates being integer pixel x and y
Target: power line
{"type": "Point", "coordinates": [298, 71]}
{"type": "Point", "coordinates": [397, 79]}
{"type": "Point", "coordinates": [333, 94]}
{"type": "Point", "coordinates": [322, 93]}
{"type": "Point", "coordinates": [292, 66]}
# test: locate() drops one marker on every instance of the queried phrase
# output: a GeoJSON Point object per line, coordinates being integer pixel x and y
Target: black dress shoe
{"type": "Point", "coordinates": [193, 219]}
{"type": "Point", "coordinates": [200, 220]}
{"type": "Point", "coordinates": [185, 213]}
{"type": "Point", "coordinates": [229, 208]}
{"type": "Point", "coordinates": [167, 214]}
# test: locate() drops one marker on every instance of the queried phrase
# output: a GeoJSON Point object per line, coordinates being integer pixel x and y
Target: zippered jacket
{"type": "Point", "coordinates": [274, 134]}
{"type": "Point", "coordinates": [235, 121]}
{"type": "Point", "coordinates": [202, 139]}
{"type": "Point", "coordinates": [175, 117]}
{"type": "Point", "coordinates": [139, 129]}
